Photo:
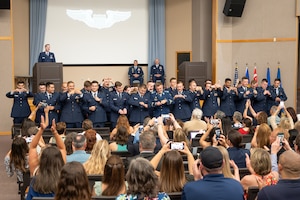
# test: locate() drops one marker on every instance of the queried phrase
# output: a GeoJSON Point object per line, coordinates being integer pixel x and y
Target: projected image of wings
{"type": "Point", "coordinates": [99, 21]}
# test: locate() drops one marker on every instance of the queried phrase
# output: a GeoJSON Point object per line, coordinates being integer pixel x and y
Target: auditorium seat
{"type": "Point", "coordinates": [175, 195]}
{"type": "Point", "coordinates": [25, 184]}
{"type": "Point", "coordinates": [93, 178]}
{"type": "Point", "coordinates": [252, 192]}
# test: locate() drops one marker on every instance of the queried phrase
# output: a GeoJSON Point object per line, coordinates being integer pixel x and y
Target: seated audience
{"type": "Point", "coordinates": [120, 140]}
{"type": "Point", "coordinates": [260, 167]}
{"type": "Point", "coordinates": [211, 134]}
{"type": "Point", "coordinates": [195, 124]}
{"type": "Point", "coordinates": [122, 121]}
{"type": "Point", "coordinates": [171, 175]}
{"type": "Point", "coordinates": [142, 182]}
{"type": "Point", "coordinates": [88, 124]}
{"type": "Point", "coordinates": [16, 160]}
{"type": "Point", "coordinates": [210, 182]}
{"type": "Point", "coordinates": [73, 183]}
{"type": "Point", "coordinates": [45, 168]}
{"type": "Point", "coordinates": [113, 181]}
{"type": "Point", "coordinates": [286, 121]}
{"type": "Point", "coordinates": [79, 154]}
{"type": "Point", "coordinates": [61, 128]}
{"type": "Point", "coordinates": [227, 164]}
{"type": "Point", "coordinates": [99, 155]}
{"type": "Point", "coordinates": [69, 141]}
{"type": "Point", "coordinates": [237, 119]}
{"type": "Point", "coordinates": [235, 151]}
{"type": "Point", "coordinates": [91, 139]}
{"type": "Point", "coordinates": [288, 186]}
{"type": "Point", "coordinates": [247, 127]}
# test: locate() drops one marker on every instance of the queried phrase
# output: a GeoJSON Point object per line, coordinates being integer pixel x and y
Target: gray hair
{"type": "Point", "coordinates": [197, 114]}
{"type": "Point", "coordinates": [219, 114]}
{"type": "Point", "coordinates": [238, 116]}
{"type": "Point", "coordinates": [79, 141]}
{"type": "Point", "coordinates": [147, 140]}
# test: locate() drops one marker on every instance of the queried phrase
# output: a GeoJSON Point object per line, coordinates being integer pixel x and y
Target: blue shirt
{"type": "Point", "coordinates": [79, 156]}
{"type": "Point", "coordinates": [212, 187]}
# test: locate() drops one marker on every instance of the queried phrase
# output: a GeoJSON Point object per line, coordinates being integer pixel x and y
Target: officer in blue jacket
{"type": "Point", "coordinates": [135, 74]}
{"type": "Point", "coordinates": [139, 103]}
{"type": "Point", "coordinates": [20, 109]}
{"type": "Point", "coordinates": [160, 100]}
{"type": "Point", "coordinates": [244, 93]}
{"type": "Point", "coordinates": [196, 93]}
{"type": "Point", "coordinates": [182, 100]}
{"type": "Point", "coordinates": [211, 94]}
{"type": "Point", "coordinates": [94, 104]}
{"type": "Point", "coordinates": [157, 73]}
{"type": "Point", "coordinates": [277, 94]}
{"type": "Point", "coordinates": [49, 98]}
{"type": "Point", "coordinates": [46, 56]}
{"type": "Point", "coordinates": [260, 96]}
{"type": "Point", "coordinates": [118, 103]}
{"type": "Point", "coordinates": [71, 106]}
{"type": "Point", "coordinates": [229, 94]}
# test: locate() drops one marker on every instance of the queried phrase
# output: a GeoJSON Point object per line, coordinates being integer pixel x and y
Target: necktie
{"type": "Point", "coordinates": [94, 94]}
{"type": "Point", "coordinates": [277, 91]}
{"type": "Point", "coordinates": [50, 96]}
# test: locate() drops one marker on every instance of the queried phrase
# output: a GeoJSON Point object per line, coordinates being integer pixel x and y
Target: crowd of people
{"type": "Point", "coordinates": [156, 126]}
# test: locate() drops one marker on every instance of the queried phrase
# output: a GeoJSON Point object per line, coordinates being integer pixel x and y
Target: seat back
{"type": "Point", "coordinates": [175, 195]}
{"type": "Point", "coordinates": [252, 192]}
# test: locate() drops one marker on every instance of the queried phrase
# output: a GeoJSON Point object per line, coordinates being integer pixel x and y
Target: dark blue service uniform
{"type": "Point", "coordinates": [117, 102]}
{"type": "Point", "coordinates": [44, 57]}
{"type": "Point", "coordinates": [196, 97]}
{"type": "Point", "coordinates": [242, 98]}
{"type": "Point", "coordinates": [20, 109]}
{"type": "Point", "coordinates": [279, 92]}
{"type": "Point", "coordinates": [50, 100]}
{"type": "Point", "coordinates": [210, 104]}
{"type": "Point", "coordinates": [259, 101]}
{"type": "Point", "coordinates": [227, 103]}
{"type": "Point", "coordinates": [71, 112]}
{"type": "Point", "coordinates": [181, 107]}
{"type": "Point", "coordinates": [98, 116]}
{"type": "Point", "coordinates": [162, 109]}
{"type": "Point", "coordinates": [157, 69]}
{"type": "Point", "coordinates": [138, 112]}
{"type": "Point", "coordinates": [136, 70]}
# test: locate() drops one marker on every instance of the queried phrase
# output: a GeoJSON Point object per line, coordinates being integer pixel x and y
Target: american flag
{"type": "Point", "coordinates": [255, 74]}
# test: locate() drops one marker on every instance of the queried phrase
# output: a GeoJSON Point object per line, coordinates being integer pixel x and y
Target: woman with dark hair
{"type": "Point", "coordinates": [233, 146]}
{"type": "Point", "coordinates": [171, 175]}
{"type": "Point", "coordinates": [16, 159]}
{"type": "Point", "coordinates": [142, 182]}
{"type": "Point", "coordinates": [211, 134]}
{"type": "Point", "coordinates": [73, 183]}
{"type": "Point", "coordinates": [120, 141]}
{"type": "Point", "coordinates": [226, 125]}
{"type": "Point", "coordinates": [247, 127]}
{"type": "Point", "coordinates": [68, 142]}
{"type": "Point", "coordinates": [293, 114]}
{"type": "Point", "coordinates": [45, 168]}
{"type": "Point", "coordinates": [113, 181]}
{"type": "Point", "coordinates": [91, 139]}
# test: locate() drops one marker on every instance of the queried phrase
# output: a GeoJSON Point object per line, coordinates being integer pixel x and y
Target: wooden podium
{"type": "Point", "coordinates": [47, 72]}
{"type": "Point", "coordinates": [193, 70]}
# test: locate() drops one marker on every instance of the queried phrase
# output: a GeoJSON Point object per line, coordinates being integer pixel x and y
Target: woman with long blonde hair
{"type": "Point", "coordinates": [261, 136]}
{"type": "Point", "coordinates": [227, 163]}
{"type": "Point", "coordinates": [99, 155]}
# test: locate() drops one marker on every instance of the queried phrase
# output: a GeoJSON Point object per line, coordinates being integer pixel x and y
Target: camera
{"type": "Point", "coordinates": [281, 136]}
{"type": "Point", "coordinates": [214, 122]}
{"type": "Point", "coordinates": [218, 133]}
{"type": "Point", "coordinates": [177, 146]}
{"type": "Point", "coordinates": [281, 104]}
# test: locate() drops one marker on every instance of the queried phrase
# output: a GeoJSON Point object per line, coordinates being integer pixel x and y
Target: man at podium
{"type": "Point", "coordinates": [46, 56]}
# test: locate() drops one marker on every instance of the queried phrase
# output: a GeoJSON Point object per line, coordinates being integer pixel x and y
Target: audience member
{"type": "Point", "coordinates": [90, 136]}
{"type": "Point", "coordinates": [237, 119]}
{"type": "Point", "coordinates": [79, 146]}
{"type": "Point", "coordinates": [16, 160]}
{"type": "Point", "coordinates": [195, 124]}
{"type": "Point", "coordinates": [228, 164]}
{"type": "Point", "coordinates": [142, 182]}
{"type": "Point", "coordinates": [120, 140]}
{"type": "Point", "coordinates": [99, 155]}
{"type": "Point", "coordinates": [210, 182]}
{"type": "Point", "coordinates": [73, 183]}
{"type": "Point", "coordinates": [69, 142]}
{"type": "Point", "coordinates": [113, 181]}
{"type": "Point", "coordinates": [247, 127]}
{"type": "Point", "coordinates": [260, 167]}
{"type": "Point", "coordinates": [88, 124]}
{"type": "Point", "coordinates": [61, 128]}
{"type": "Point", "coordinates": [261, 137]}
{"type": "Point", "coordinates": [288, 186]}
{"type": "Point", "coordinates": [122, 121]}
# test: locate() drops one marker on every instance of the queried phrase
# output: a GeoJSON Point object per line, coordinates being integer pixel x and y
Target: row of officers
{"type": "Point", "coordinates": [105, 103]}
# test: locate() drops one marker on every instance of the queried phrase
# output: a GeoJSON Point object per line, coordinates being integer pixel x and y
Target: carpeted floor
{"type": "Point", "coordinates": [8, 185]}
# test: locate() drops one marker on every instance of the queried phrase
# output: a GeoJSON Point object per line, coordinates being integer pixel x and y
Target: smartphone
{"type": "Point", "coordinates": [214, 122]}
{"type": "Point", "coordinates": [177, 146]}
{"type": "Point", "coordinates": [218, 133]}
{"type": "Point", "coordinates": [281, 104]}
{"type": "Point", "coordinates": [281, 136]}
